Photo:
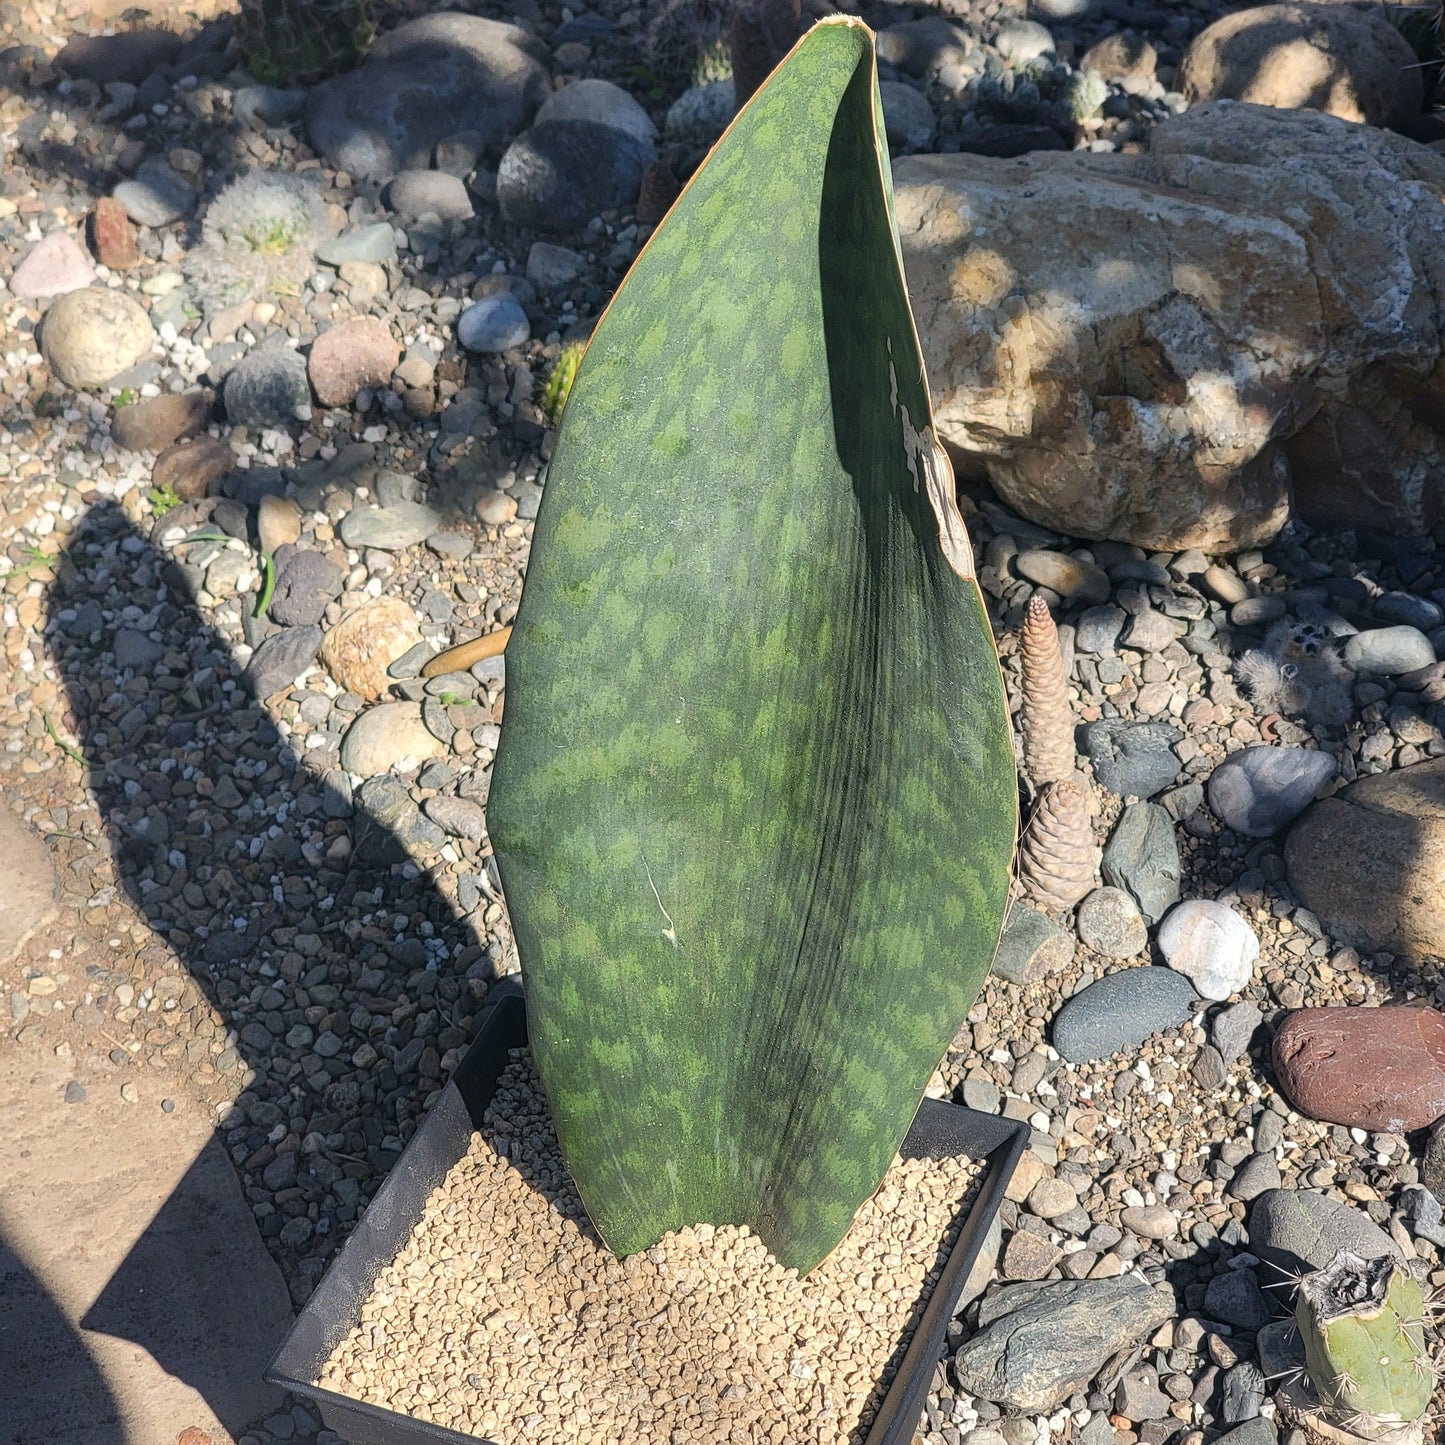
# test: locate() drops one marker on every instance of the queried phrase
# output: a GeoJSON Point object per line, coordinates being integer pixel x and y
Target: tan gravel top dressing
{"type": "Point", "coordinates": [504, 1316]}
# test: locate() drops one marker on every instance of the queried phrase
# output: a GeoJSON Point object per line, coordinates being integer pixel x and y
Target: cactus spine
{"type": "Point", "coordinates": [1364, 1336]}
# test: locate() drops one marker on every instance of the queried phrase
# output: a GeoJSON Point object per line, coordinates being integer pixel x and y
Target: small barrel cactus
{"type": "Point", "coordinates": [559, 384]}
{"type": "Point", "coordinates": [297, 42]}
{"type": "Point", "coordinates": [687, 42]}
{"type": "Point", "coordinates": [1362, 1322]}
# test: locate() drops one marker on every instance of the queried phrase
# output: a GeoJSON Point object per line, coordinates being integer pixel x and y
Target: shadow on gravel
{"type": "Point", "coordinates": [38, 1402]}
{"type": "Point", "coordinates": [339, 988]}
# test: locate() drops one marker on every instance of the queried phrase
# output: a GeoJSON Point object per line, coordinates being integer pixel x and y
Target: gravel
{"type": "Point", "coordinates": [549, 1333]}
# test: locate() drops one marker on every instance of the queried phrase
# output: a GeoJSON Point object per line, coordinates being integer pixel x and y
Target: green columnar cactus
{"type": "Point", "coordinates": [297, 42]}
{"type": "Point", "coordinates": [1364, 1338]}
{"type": "Point", "coordinates": [559, 384]}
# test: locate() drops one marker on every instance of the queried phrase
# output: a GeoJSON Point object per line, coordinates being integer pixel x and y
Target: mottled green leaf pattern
{"type": "Point", "coordinates": [754, 804]}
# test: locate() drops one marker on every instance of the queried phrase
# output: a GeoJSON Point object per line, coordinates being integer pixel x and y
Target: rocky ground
{"type": "Point", "coordinates": [269, 830]}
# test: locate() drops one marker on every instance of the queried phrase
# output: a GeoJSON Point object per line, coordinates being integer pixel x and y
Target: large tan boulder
{"type": "Point", "coordinates": [1139, 347]}
{"type": "Point", "coordinates": [1335, 58]}
{"type": "Point", "coordinates": [1370, 861]}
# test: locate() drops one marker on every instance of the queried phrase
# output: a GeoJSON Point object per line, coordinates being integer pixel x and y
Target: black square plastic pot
{"type": "Point", "coordinates": [940, 1130]}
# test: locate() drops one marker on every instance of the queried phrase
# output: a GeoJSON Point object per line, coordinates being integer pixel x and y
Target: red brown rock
{"type": "Point", "coordinates": [190, 467]}
{"type": "Point", "coordinates": [351, 355]}
{"type": "Point", "coordinates": [1381, 1069]}
{"type": "Point", "coordinates": [153, 423]}
{"type": "Point", "coordinates": [111, 236]}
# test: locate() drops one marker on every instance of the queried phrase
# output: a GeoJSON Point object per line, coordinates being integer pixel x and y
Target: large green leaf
{"type": "Point", "coordinates": [754, 804]}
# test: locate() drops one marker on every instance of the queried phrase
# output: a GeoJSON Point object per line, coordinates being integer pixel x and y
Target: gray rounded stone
{"type": "Point", "coordinates": [1142, 857]}
{"type": "Point", "coordinates": [1031, 947]}
{"type": "Point", "coordinates": [156, 195]}
{"type": "Point", "coordinates": [1260, 790]}
{"type": "Point", "coordinates": [392, 528]}
{"type": "Point", "coordinates": [305, 583]}
{"type": "Point", "coordinates": [561, 173]}
{"type": "Point", "coordinates": [1132, 759]}
{"type": "Point", "coordinates": [1410, 610]}
{"type": "Point", "coordinates": [281, 659]}
{"type": "Point", "coordinates": [1297, 1230]}
{"type": "Point", "coordinates": [1120, 1011]}
{"type": "Point", "coordinates": [417, 193]}
{"type": "Point", "coordinates": [266, 386]}
{"type": "Point", "coordinates": [495, 323]}
{"type": "Point", "coordinates": [599, 102]}
{"type": "Point", "coordinates": [1098, 628]}
{"type": "Point", "coordinates": [375, 243]}
{"type": "Point", "coordinates": [1389, 651]}
{"type": "Point", "coordinates": [1109, 922]}
{"type": "Point", "coordinates": [907, 116]}
{"type": "Point", "coordinates": [1232, 1029]}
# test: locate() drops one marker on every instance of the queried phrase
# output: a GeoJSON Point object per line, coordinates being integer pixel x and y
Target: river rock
{"type": "Point", "coordinates": [155, 422]}
{"type": "Point", "coordinates": [89, 336]}
{"type": "Point", "coordinates": [373, 243]}
{"type": "Point", "coordinates": [559, 175]}
{"type": "Point", "coordinates": [908, 118]}
{"type": "Point", "coordinates": [1039, 1343]}
{"type": "Point", "coordinates": [54, 266]}
{"type": "Point", "coordinates": [1031, 947]}
{"type": "Point", "coordinates": [1258, 791]}
{"type": "Point", "coordinates": [1120, 1011]}
{"type": "Point", "coordinates": [265, 388]}
{"type": "Point", "coordinates": [495, 323]}
{"type": "Point", "coordinates": [422, 82]}
{"type": "Point", "coordinates": [191, 467]}
{"type": "Point", "coordinates": [1109, 922]}
{"type": "Point", "coordinates": [1381, 1069]}
{"type": "Point", "coordinates": [1296, 1230]}
{"type": "Point", "coordinates": [156, 195]}
{"type": "Point", "coordinates": [385, 736]}
{"type": "Point", "coordinates": [1142, 858]}
{"type": "Point", "coordinates": [281, 659]}
{"type": "Point", "coordinates": [1236, 1298]}
{"type": "Point", "coordinates": [1278, 318]}
{"type": "Point", "coordinates": [1345, 61]}
{"type": "Point", "coordinates": [1388, 651]}
{"type": "Point", "coordinates": [352, 354]}
{"type": "Point", "coordinates": [361, 647]}
{"type": "Point", "coordinates": [392, 528]}
{"type": "Point", "coordinates": [306, 584]}
{"type": "Point", "coordinates": [419, 193]}
{"type": "Point", "coordinates": [1211, 945]}
{"type": "Point", "coordinates": [1370, 861]}
{"type": "Point", "coordinates": [1132, 759]}
{"type": "Point", "coordinates": [389, 827]}
{"type": "Point", "coordinates": [1232, 1029]}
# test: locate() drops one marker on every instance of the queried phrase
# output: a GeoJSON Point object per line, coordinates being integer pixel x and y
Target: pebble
{"type": "Point", "coordinates": [1098, 629]}
{"type": "Point", "coordinates": [1109, 922]}
{"type": "Point", "coordinates": [419, 193]}
{"type": "Point", "coordinates": [461, 817]}
{"type": "Point", "coordinates": [908, 118]}
{"type": "Point", "coordinates": [1031, 947]}
{"type": "Point", "coordinates": [385, 737]}
{"type": "Point", "coordinates": [278, 522]}
{"type": "Point", "coordinates": [560, 174]}
{"type": "Point", "coordinates": [1232, 1029]}
{"type": "Point", "coordinates": [374, 242]}
{"type": "Point", "coordinates": [1118, 1012]}
{"type": "Point", "coordinates": [1257, 791]}
{"type": "Point", "coordinates": [92, 335]}
{"type": "Point", "coordinates": [1023, 41]}
{"type": "Point", "coordinates": [350, 355]}
{"type": "Point", "coordinates": [75, 1093]}
{"type": "Point", "coordinates": [390, 828]}
{"type": "Point", "coordinates": [550, 267]}
{"type": "Point", "coordinates": [1150, 1221]}
{"type": "Point", "coordinates": [112, 237]}
{"type": "Point", "coordinates": [1051, 1197]}
{"type": "Point", "coordinates": [156, 195]}
{"type": "Point", "coordinates": [1258, 1173]}
{"type": "Point", "coordinates": [266, 387]}
{"type": "Point", "coordinates": [495, 323]}
{"type": "Point", "coordinates": [1409, 610]}
{"type": "Point", "coordinates": [1142, 858]}
{"type": "Point", "coordinates": [189, 468]}
{"type": "Point", "coordinates": [1132, 759]}
{"type": "Point", "coordinates": [1235, 1298]}
{"type": "Point", "coordinates": [1014, 1359]}
{"type": "Point", "coordinates": [366, 642]}
{"type": "Point", "coordinates": [152, 423]}
{"type": "Point", "coordinates": [1059, 573]}
{"type": "Point", "coordinates": [1211, 945]}
{"type": "Point", "coordinates": [281, 659]}
{"type": "Point", "coordinates": [392, 528]}
{"type": "Point", "coordinates": [1296, 1230]}
{"type": "Point", "coordinates": [1388, 651]}
{"type": "Point", "coordinates": [1027, 1256]}
{"type": "Point", "coordinates": [55, 265]}
{"type": "Point", "coordinates": [1380, 1069]}
{"type": "Point", "coordinates": [306, 584]}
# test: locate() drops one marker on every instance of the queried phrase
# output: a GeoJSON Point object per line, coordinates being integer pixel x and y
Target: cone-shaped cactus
{"type": "Point", "coordinates": [1364, 1338]}
{"type": "Point", "coordinates": [1058, 857]}
{"type": "Point", "coordinates": [1046, 720]}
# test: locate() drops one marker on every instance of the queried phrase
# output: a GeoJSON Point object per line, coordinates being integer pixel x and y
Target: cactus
{"type": "Point", "coordinates": [1364, 1336]}
{"type": "Point", "coordinates": [1084, 94]}
{"type": "Point", "coordinates": [1058, 857]}
{"type": "Point", "coordinates": [687, 42]}
{"type": "Point", "coordinates": [1046, 721]}
{"type": "Point", "coordinates": [559, 384]}
{"type": "Point", "coordinates": [258, 239]}
{"type": "Point", "coordinates": [297, 42]}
